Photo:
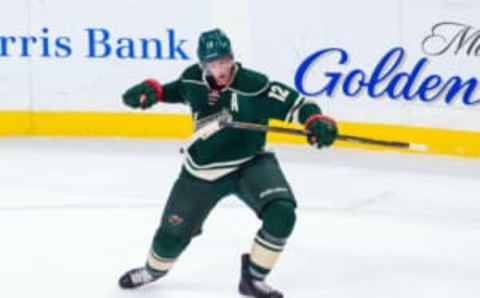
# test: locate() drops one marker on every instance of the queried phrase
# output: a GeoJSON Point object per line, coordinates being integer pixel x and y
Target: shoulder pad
{"type": "Point", "coordinates": [249, 83]}
{"type": "Point", "coordinates": [192, 73]}
{"type": "Point", "coordinates": [283, 86]}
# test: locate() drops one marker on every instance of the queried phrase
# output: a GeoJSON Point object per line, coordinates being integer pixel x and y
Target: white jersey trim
{"type": "Point", "coordinates": [209, 175]}
{"type": "Point", "coordinates": [212, 171]}
{"type": "Point", "coordinates": [232, 163]}
{"type": "Point", "coordinates": [294, 109]}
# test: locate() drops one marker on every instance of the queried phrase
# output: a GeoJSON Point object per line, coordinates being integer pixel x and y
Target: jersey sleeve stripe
{"type": "Point", "coordinates": [297, 104]}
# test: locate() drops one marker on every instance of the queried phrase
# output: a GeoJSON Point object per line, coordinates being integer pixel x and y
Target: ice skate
{"type": "Point", "coordinates": [250, 287]}
{"type": "Point", "coordinates": [136, 278]}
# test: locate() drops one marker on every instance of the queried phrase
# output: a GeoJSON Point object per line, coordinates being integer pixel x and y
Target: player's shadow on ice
{"type": "Point", "coordinates": [184, 289]}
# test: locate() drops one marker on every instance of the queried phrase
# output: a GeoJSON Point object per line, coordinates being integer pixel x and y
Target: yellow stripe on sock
{"type": "Point", "coordinates": [263, 257]}
{"type": "Point", "coordinates": [159, 263]}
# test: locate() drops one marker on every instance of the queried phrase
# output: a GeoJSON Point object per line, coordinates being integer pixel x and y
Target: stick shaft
{"type": "Point", "coordinates": [302, 132]}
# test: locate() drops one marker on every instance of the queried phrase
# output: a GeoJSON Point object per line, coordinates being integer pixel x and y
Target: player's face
{"type": "Point", "coordinates": [221, 70]}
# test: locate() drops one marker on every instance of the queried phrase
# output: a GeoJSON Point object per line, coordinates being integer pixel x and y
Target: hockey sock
{"type": "Point", "coordinates": [265, 252]}
{"type": "Point", "coordinates": [165, 250]}
{"type": "Point", "coordinates": [158, 266]}
{"type": "Point", "coordinates": [278, 222]}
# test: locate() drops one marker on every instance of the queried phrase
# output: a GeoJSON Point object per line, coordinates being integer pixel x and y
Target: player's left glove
{"type": "Point", "coordinates": [323, 130]}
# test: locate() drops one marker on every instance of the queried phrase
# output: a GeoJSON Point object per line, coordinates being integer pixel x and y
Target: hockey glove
{"type": "Point", "coordinates": [323, 130]}
{"type": "Point", "coordinates": [143, 95]}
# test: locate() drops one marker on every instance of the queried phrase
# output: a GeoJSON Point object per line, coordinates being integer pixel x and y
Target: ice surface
{"type": "Point", "coordinates": [77, 213]}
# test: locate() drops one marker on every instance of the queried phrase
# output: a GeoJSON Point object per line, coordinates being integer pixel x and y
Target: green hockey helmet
{"type": "Point", "coordinates": [213, 45]}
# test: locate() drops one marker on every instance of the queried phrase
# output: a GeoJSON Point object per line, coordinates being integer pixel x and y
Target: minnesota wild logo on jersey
{"type": "Point", "coordinates": [249, 97]}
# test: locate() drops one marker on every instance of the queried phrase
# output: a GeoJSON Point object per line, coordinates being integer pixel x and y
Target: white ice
{"type": "Point", "coordinates": [77, 213]}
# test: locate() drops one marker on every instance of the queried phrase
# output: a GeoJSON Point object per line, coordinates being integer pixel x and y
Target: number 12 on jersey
{"type": "Point", "coordinates": [278, 93]}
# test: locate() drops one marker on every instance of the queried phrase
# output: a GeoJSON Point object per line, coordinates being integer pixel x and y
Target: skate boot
{"type": "Point", "coordinates": [251, 287]}
{"type": "Point", "coordinates": [137, 277]}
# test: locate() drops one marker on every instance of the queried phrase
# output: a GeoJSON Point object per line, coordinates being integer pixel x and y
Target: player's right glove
{"type": "Point", "coordinates": [323, 130]}
{"type": "Point", "coordinates": [143, 95]}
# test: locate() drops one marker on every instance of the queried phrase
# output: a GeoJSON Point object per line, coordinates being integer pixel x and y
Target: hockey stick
{"type": "Point", "coordinates": [302, 132]}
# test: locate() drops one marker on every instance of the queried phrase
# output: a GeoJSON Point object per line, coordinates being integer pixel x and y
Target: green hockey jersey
{"type": "Point", "coordinates": [248, 97]}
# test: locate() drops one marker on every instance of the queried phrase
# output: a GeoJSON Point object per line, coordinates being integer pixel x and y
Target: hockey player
{"type": "Point", "coordinates": [228, 160]}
